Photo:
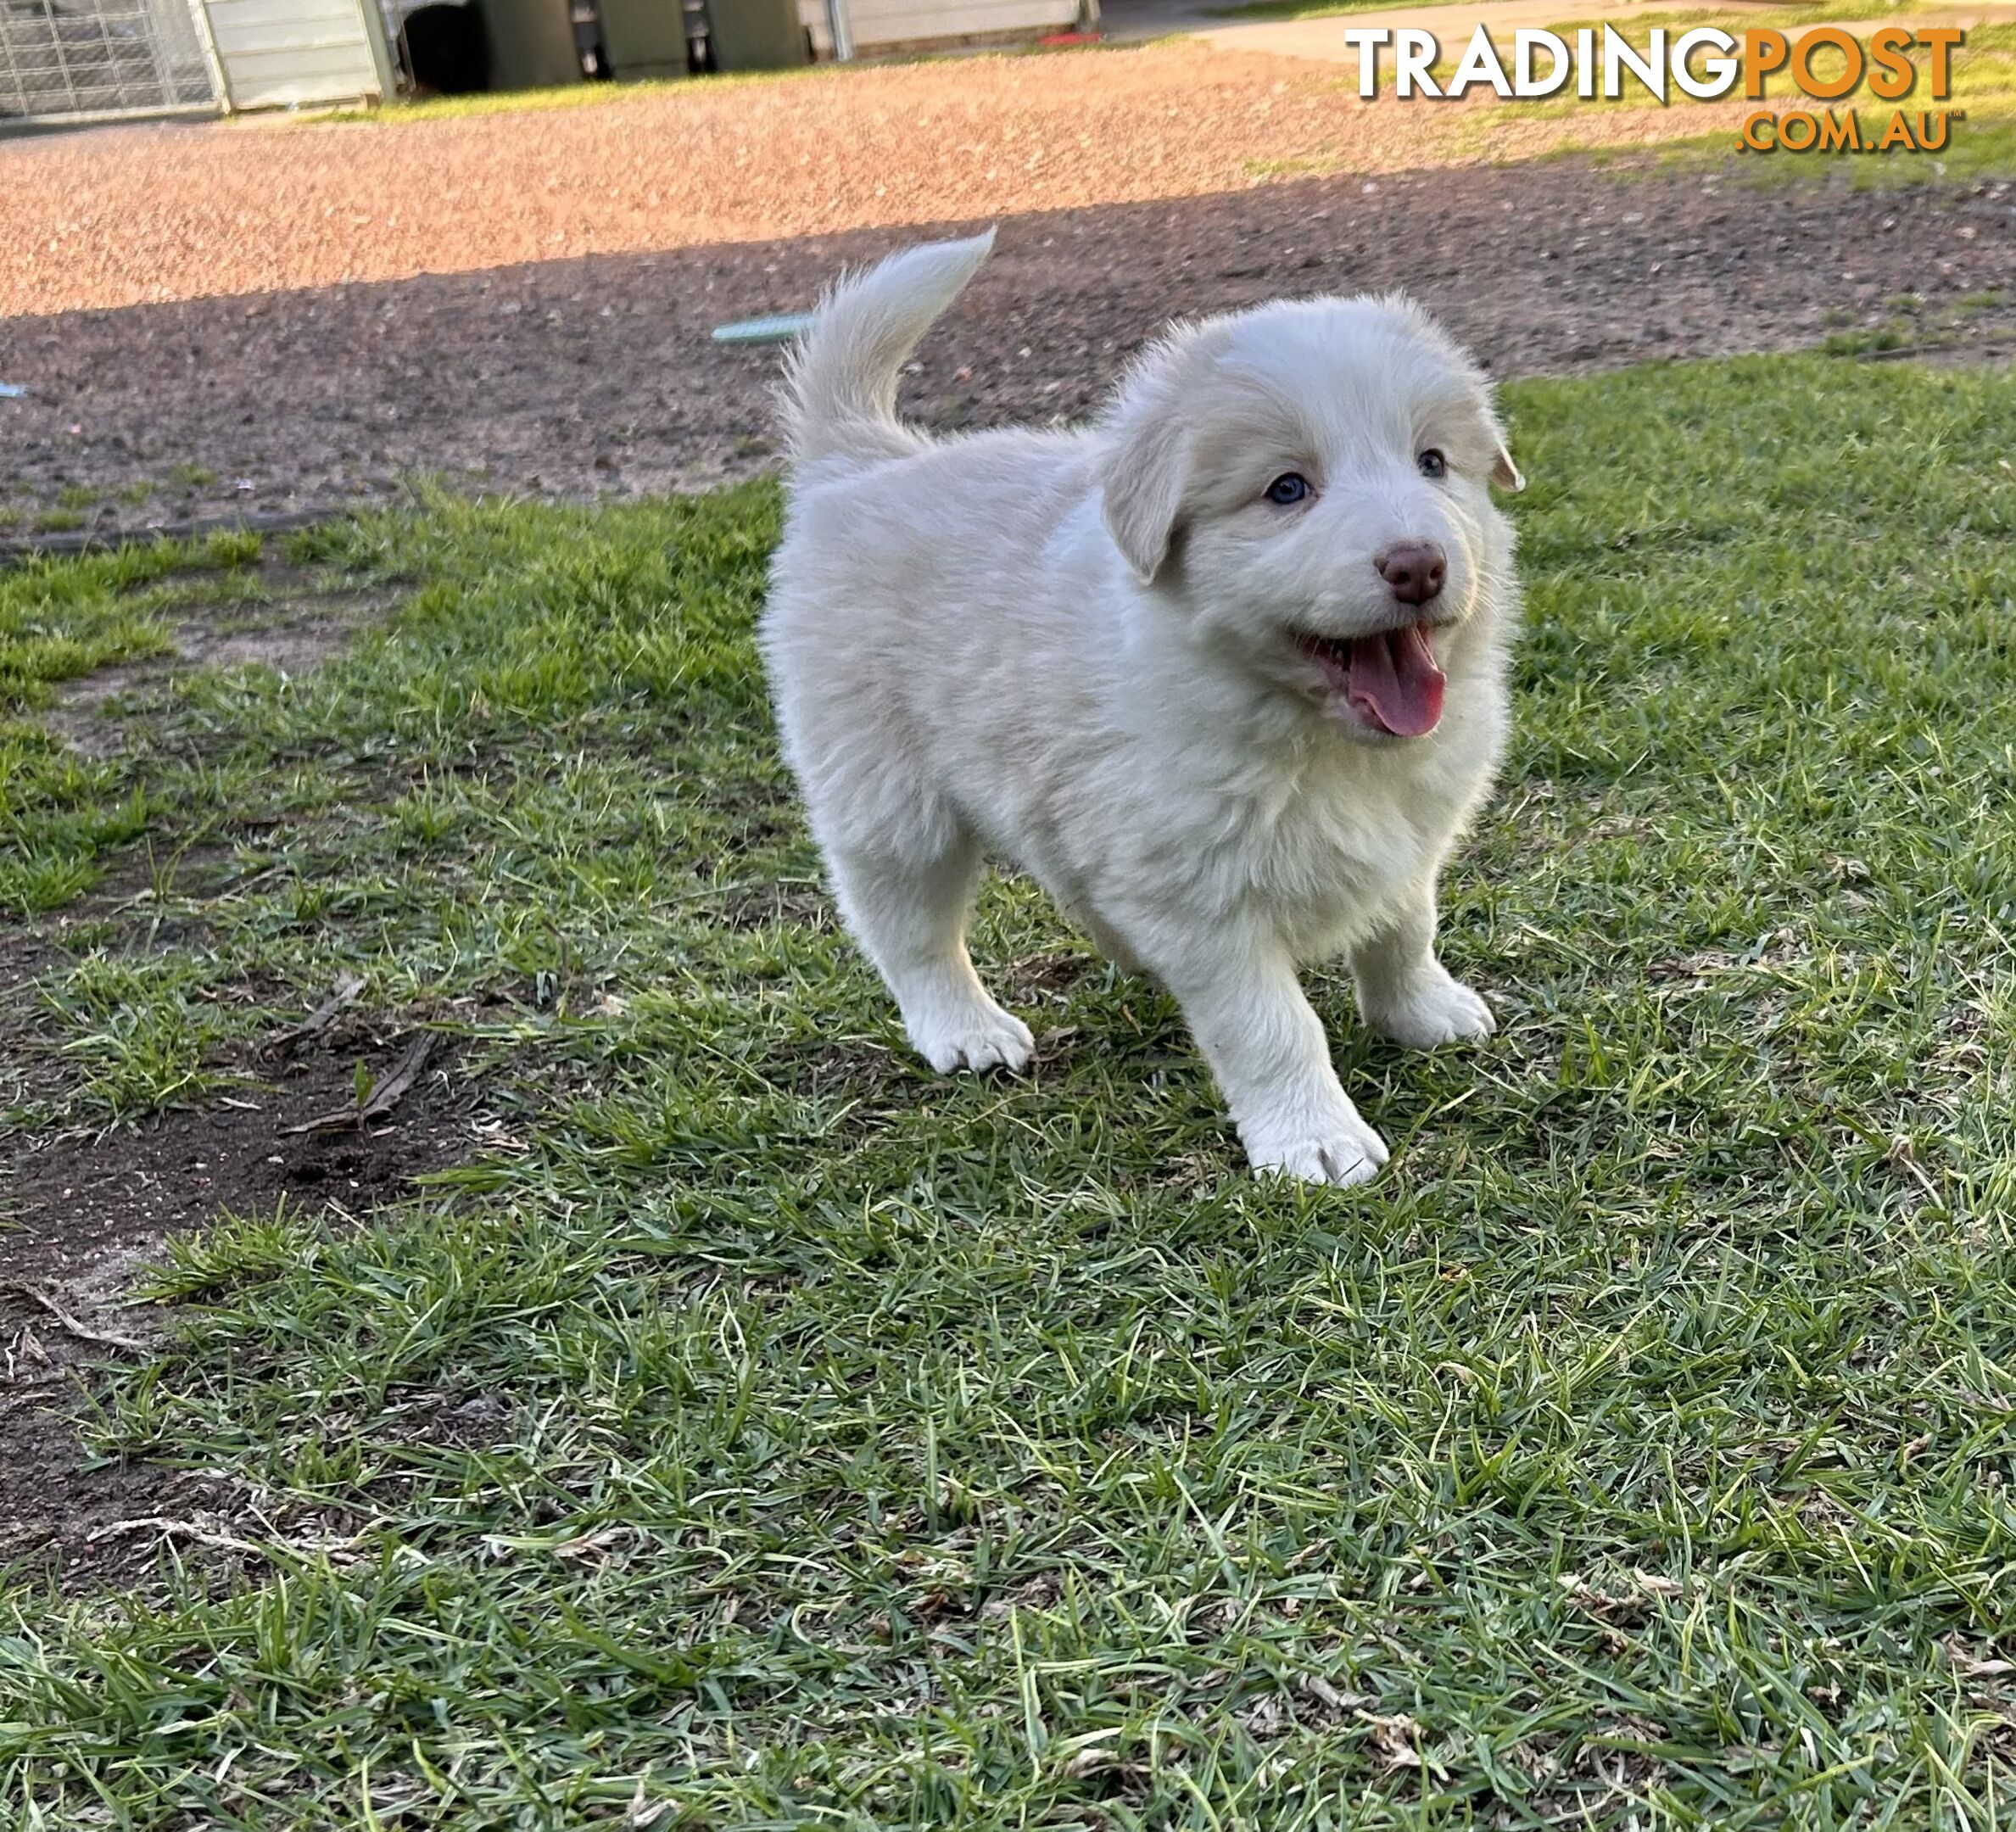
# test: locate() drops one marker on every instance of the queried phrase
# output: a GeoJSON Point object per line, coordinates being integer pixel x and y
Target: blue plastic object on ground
{"type": "Point", "coordinates": [776, 330]}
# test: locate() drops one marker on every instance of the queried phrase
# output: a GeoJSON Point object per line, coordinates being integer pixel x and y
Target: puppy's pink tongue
{"type": "Point", "coordinates": [1395, 683]}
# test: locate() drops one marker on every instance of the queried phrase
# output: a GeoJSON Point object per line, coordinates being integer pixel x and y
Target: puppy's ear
{"type": "Point", "coordinates": [1141, 486]}
{"type": "Point", "coordinates": [1144, 468]}
{"type": "Point", "coordinates": [1504, 472]}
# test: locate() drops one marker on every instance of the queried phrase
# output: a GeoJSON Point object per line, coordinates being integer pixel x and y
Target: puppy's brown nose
{"type": "Point", "coordinates": [1414, 570]}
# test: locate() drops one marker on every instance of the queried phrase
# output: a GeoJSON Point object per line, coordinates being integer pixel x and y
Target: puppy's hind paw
{"type": "Point", "coordinates": [1435, 1009]}
{"type": "Point", "coordinates": [973, 1037]}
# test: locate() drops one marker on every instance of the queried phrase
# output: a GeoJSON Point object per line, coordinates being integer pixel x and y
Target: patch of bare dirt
{"type": "Point", "coordinates": [595, 376]}
{"type": "Point", "coordinates": [84, 1212]}
{"type": "Point", "coordinates": [294, 622]}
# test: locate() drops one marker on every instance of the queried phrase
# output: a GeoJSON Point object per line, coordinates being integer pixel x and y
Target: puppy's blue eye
{"type": "Point", "coordinates": [1291, 486]}
{"type": "Point", "coordinates": [1432, 463]}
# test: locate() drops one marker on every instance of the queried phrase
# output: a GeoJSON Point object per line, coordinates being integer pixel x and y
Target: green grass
{"type": "Point", "coordinates": [544, 101]}
{"type": "Point", "coordinates": [498, 102]}
{"type": "Point", "coordinates": [773, 1435]}
{"type": "Point", "coordinates": [59, 814]}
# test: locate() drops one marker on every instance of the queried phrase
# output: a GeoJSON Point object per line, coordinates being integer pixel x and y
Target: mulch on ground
{"type": "Point", "coordinates": [125, 217]}
{"type": "Point", "coordinates": [585, 378]}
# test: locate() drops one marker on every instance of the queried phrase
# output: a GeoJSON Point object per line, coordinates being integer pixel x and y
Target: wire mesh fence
{"type": "Point", "coordinates": [99, 60]}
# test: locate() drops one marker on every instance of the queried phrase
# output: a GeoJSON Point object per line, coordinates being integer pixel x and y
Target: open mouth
{"type": "Point", "coordinates": [1388, 679]}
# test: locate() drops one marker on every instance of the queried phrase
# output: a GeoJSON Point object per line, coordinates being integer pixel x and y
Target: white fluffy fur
{"type": "Point", "coordinates": [1074, 650]}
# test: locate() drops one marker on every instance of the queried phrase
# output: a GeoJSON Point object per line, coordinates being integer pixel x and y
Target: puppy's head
{"type": "Point", "coordinates": [1310, 483]}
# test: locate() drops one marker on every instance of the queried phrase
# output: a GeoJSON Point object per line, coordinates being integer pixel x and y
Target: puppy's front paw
{"type": "Point", "coordinates": [972, 1036]}
{"type": "Point", "coordinates": [1433, 1009]}
{"type": "Point", "coordinates": [1344, 1152]}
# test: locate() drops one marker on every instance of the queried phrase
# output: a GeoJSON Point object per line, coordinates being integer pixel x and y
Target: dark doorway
{"type": "Point", "coordinates": [446, 52]}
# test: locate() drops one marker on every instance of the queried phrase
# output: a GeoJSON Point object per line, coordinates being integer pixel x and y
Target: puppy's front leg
{"type": "Point", "coordinates": [1408, 995]}
{"type": "Point", "coordinates": [1267, 1048]}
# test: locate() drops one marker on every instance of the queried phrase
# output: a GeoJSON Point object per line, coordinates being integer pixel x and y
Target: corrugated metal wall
{"type": "Point", "coordinates": [883, 24]}
{"type": "Point", "coordinates": [280, 53]}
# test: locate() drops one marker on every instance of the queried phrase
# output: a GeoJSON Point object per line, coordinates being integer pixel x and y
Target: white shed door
{"type": "Point", "coordinates": [901, 21]}
{"type": "Point", "coordinates": [277, 54]}
{"type": "Point", "coordinates": [885, 24]}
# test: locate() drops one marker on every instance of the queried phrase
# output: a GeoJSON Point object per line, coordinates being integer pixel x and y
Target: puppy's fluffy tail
{"type": "Point", "coordinates": [840, 385]}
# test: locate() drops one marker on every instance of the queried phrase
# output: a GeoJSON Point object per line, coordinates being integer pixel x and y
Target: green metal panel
{"type": "Point", "coordinates": [645, 37]}
{"type": "Point", "coordinates": [756, 34]}
{"type": "Point", "coordinates": [532, 43]}
{"type": "Point", "coordinates": [382, 60]}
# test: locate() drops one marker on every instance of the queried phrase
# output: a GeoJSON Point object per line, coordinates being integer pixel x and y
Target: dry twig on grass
{"type": "Point", "coordinates": [43, 1295]}
{"type": "Point", "coordinates": [382, 1098]}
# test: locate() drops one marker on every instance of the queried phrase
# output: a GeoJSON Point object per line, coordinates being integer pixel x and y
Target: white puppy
{"type": "Point", "coordinates": [1226, 674]}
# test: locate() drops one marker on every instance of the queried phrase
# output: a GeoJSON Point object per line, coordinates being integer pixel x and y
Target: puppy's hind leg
{"type": "Point", "coordinates": [910, 913]}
